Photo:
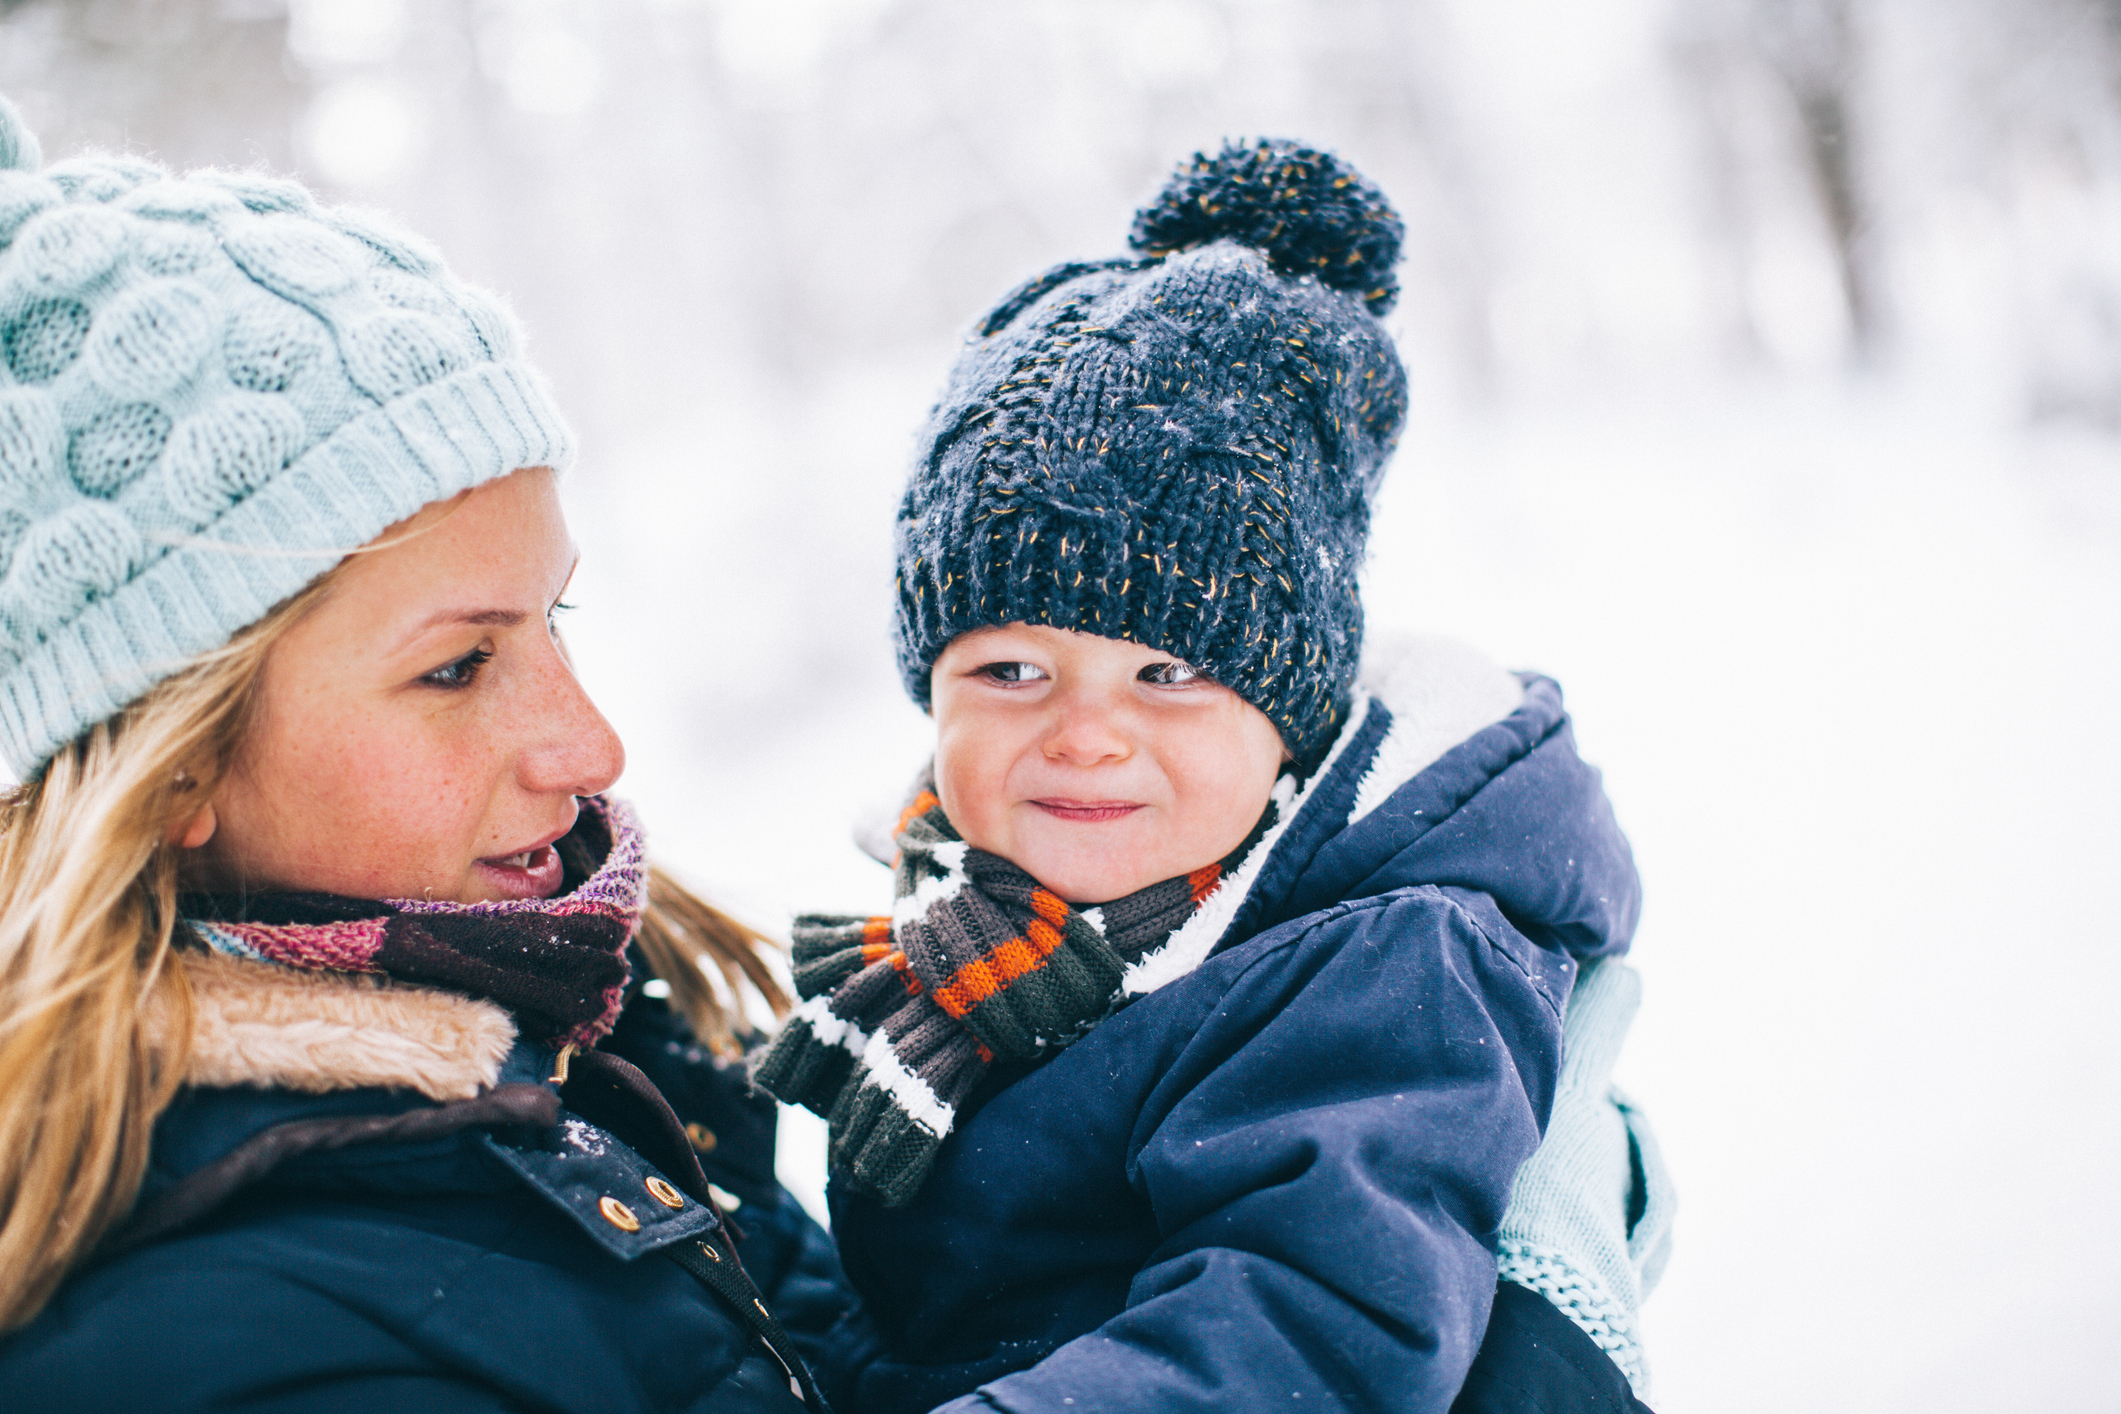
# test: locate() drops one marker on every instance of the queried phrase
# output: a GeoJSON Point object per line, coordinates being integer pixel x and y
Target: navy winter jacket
{"type": "Point", "coordinates": [471, 1268]}
{"type": "Point", "coordinates": [1274, 1182]}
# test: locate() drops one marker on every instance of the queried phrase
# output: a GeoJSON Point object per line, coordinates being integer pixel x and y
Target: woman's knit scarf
{"type": "Point", "coordinates": [903, 1014]}
{"type": "Point", "coordinates": [559, 964]}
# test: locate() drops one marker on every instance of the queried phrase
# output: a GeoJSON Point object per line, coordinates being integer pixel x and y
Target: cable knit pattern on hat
{"type": "Point", "coordinates": [1181, 448]}
{"type": "Point", "coordinates": [211, 389]}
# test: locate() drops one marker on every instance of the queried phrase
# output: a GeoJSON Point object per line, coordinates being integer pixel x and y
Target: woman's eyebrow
{"type": "Point", "coordinates": [485, 618]}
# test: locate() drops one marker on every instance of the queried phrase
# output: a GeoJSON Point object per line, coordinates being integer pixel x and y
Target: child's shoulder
{"type": "Point", "coordinates": [1454, 789]}
{"type": "Point", "coordinates": [1437, 692]}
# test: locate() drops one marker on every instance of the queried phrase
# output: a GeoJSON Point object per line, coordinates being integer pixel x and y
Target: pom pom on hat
{"type": "Point", "coordinates": [1306, 210]}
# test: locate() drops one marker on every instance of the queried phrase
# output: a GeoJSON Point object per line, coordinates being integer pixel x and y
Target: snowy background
{"type": "Point", "coordinates": [1767, 358]}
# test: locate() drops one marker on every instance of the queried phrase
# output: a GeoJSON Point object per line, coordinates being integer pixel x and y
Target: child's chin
{"type": "Point", "coordinates": [1088, 887]}
{"type": "Point", "coordinates": [1108, 864]}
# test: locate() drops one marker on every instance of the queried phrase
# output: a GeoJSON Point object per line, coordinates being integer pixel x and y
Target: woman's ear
{"type": "Point", "coordinates": [193, 830]}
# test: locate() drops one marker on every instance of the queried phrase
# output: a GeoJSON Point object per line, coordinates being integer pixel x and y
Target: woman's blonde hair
{"type": "Point", "coordinates": [95, 1020]}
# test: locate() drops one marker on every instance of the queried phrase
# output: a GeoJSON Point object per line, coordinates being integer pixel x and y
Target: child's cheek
{"type": "Point", "coordinates": [959, 783]}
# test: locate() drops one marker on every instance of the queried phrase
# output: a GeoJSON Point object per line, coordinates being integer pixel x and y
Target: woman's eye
{"type": "Point", "coordinates": [1169, 673]}
{"type": "Point", "coordinates": [1012, 672]}
{"type": "Point", "coordinates": [552, 615]}
{"type": "Point", "coordinates": [460, 673]}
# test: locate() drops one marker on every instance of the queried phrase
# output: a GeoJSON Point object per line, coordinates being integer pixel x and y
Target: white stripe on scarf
{"type": "Point", "coordinates": [908, 1091]}
{"type": "Point", "coordinates": [830, 1030]}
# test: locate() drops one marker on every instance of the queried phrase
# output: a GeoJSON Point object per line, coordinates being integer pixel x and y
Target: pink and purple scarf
{"type": "Point", "coordinates": [559, 964]}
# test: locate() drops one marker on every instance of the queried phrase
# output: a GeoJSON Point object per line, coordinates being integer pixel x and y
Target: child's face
{"type": "Point", "coordinates": [1095, 765]}
{"type": "Point", "coordinates": [419, 733]}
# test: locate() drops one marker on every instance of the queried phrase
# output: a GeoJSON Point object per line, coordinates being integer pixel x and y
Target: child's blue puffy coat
{"type": "Point", "coordinates": [1274, 1182]}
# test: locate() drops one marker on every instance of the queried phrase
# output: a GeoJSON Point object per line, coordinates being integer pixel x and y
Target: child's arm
{"type": "Point", "coordinates": [1328, 1152]}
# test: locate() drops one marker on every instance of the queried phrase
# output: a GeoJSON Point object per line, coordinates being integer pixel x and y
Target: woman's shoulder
{"type": "Point", "coordinates": [213, 1319]}
{"type": "Point", "coordinates": [351, 1238]}
{"type": "Point", "coordinates": [277, 1293]}
{"type": "Point", "coordinates": [191, 1327]}
{"type": "Point", "coordinates": [422, 1274]}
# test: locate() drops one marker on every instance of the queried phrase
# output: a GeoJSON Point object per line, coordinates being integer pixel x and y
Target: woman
{"type": "Point", "coordinates": [266, 1139]}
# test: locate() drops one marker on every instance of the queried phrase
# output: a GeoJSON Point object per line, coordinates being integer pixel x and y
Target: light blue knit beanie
{"type": "Point", "coordinates": [211, 388]}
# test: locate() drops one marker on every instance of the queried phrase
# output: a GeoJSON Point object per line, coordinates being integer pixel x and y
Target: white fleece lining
{"type": "Point", "coordinates": [285, 1028]}
{"type": "Point", "coordinates": [1188, 947]}
{"type": "Point", "coordinates": [1440, 692]}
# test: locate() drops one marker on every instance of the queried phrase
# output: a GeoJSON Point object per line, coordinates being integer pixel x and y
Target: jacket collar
{"type": "Point", "coordinates": [1446, 782]}
{"type": "Point", "coordinates": [290, 1068]}
{"type": "Point", "coordinates": [280, 1028]}
{"type": "Point", "coordinates": [1417, 700]}
{"type": "Point", "coordinates": [1450, 771]}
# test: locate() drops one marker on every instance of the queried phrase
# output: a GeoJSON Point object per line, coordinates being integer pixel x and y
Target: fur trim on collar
{"type": "Point", "coordinates": [1440, 692]}
{"type": "Point", "coordinates": [254, 1023]}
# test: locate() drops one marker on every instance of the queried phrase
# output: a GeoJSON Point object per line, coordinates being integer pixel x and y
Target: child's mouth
{"type": "Point", "coordinates": [1089, 812]}
{"type": "Point", "coordinates": [533, 873]}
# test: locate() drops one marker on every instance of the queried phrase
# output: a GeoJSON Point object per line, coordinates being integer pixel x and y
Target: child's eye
{"type": "Point", "coordinates": [1011, 672]}
{"type": "Point", "coordinates": [1169, 673]}
{"type": "Point", "coordinates": [460, 673]}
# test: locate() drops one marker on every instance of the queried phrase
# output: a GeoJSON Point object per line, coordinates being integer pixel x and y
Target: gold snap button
{"type": "Point", "coordinates": [701, 1136]}
{"type": "Point", "coordinates": [618, 1214]}
{"type": "Point", "coordinates": [663, 1193]}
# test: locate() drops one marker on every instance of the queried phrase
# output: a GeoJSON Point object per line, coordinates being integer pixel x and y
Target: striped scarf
{"type": "Point", "coordinates": [558, 964]}
{"type": "Point", "coordinates": [902, 1014]}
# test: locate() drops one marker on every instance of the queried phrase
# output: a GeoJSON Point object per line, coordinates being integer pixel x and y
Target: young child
{"type": "Point", "coordinates": [1223, 994]}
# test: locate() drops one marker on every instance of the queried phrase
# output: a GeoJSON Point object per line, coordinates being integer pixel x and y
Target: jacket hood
{"type": "Point", "coordinates": [1449, 772]}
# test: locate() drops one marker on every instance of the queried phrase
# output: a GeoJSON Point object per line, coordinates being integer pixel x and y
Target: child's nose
{"type": "Point", "coordinates": [1086, 733]}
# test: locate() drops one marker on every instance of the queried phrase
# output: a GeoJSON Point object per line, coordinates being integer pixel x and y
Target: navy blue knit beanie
{"type": "Point", "coordinates": [1177, 448]}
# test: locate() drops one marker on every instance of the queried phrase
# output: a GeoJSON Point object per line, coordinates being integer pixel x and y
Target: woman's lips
{"type": "Point", "coordinates": [534, 873]}
{"type": "Point", "coordinates": [1089, 812]}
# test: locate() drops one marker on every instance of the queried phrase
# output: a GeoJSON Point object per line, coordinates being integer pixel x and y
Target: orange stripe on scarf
{"type": "Point", "coordinates": [982, 977]}
{"type": "Point", "coordinates": [921, 805]}
{"type": "Point", "coordinates": [1203, 880]}
{"type": "Point", "coordinates": [876, 947]}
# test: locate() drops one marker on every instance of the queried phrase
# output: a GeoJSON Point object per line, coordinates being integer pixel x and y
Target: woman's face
{"type": "Point", "coordinates": [419, 733]}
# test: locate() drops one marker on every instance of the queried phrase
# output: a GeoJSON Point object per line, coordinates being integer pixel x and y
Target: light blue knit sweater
{"type": "Point", "coordinates": [1566, 1234]}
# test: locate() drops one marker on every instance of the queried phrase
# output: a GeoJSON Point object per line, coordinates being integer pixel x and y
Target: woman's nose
{"type": "Point", "coordinates": [577, 752]}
